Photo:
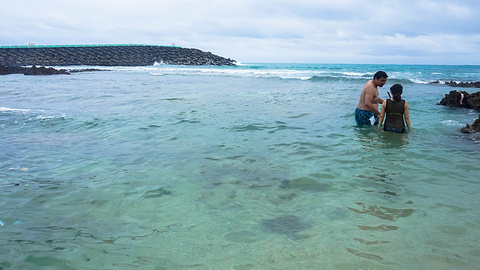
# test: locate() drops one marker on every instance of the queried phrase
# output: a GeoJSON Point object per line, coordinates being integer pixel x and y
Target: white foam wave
{"type": "Point", "coordinates": [5, 109]}
{"type": "Point", "coordinates": [451, 123]}
{"type": "Point", "coordinates": [235, 72]}
{"type": "Point", "coordinates": [355, 74]}
{"type": "Point", "coordinates": [33, 114]}
{"type": "Point", "coordinates": [419, 81]}
{"type": "Point", "coordinates": [47, 117]}
{"type": "Point", "coordinates": [267, 71]}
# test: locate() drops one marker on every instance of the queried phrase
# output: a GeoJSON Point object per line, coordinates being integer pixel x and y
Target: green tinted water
{"type": "Point", "coordinates": [160, 168]}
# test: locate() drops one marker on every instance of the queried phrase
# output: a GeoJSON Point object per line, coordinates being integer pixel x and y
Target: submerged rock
{"type": "Point", "coordinates": [304, 184]}
{"type": "Point", "coordinates": [245, 237]}
{"type": "Point", "coordinates": [288, 225]}
{"type": "Point", "coordinates": [157, 193]}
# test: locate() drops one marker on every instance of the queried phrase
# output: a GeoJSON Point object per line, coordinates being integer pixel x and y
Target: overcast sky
{"type": "Point", "coordinates": [299, 31]}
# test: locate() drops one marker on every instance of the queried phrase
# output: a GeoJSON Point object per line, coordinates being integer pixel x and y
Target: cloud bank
{"type": "Point", "coordinates": [341, 31]}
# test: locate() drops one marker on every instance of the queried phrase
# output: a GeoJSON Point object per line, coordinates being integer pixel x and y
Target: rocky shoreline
{"type": "Point", "coordinates": [460, 84]}
{"type": "Point", "coordinates": [109, 55]}
{"type": "Point", "coordinates": [463, 84]}
{"type": "Point", "coordinates": [34, 70]}
{"type": "Point", "coordinates": [462, 99]}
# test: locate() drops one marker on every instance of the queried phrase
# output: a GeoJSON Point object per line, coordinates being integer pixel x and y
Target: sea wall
{"type": "Point", "coordinates": [108, 55]}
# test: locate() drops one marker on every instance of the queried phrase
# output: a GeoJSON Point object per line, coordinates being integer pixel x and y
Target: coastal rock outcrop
{"type": "Point", "coordinates": [6, 70]}
{"type": "Point", "coordinates": [475, 127]}
{"type": "Point", "coordinates": [463, 84]}
{"type": "Point", "coordinates": [109, 55]}
{"type": "Point", "coordinates": [463, 99]}
{"type": "Point", "coordinates": [44, 71]}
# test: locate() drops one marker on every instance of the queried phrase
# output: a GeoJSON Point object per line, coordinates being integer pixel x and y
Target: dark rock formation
{"type": "Point", "coordinates": [475, 127]}
{"type": "Point", "coordinates": [4, 70]}
{"type": "Point", "coordinates": [469, 101]}
{"type": "Point", "coordinates": [108, 55]}
{"type": "Point", "coordinates": [44, 71]}
{"type": "Point", "coordinates": [463, 84]}
{"type": "Point", "coordinates": [454, 99]}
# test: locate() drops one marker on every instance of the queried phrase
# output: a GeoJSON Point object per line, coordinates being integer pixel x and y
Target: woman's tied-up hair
{"type": "Point", "coordinates": [396, 90]}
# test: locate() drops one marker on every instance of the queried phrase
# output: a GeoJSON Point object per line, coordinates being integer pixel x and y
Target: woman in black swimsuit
{"type": "Point", "coordinates": [396, 110]}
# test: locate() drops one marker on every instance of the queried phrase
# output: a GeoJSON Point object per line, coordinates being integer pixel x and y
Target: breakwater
{"type": "Point", "coordinates": [107, 55]}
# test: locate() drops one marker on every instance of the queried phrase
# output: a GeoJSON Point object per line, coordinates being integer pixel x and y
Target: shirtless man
{"type": "Point", "coordinates": [369, 100]}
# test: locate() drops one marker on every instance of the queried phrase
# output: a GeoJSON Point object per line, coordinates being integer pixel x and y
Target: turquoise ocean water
{"type": "Point", "coordinates": [258, 166]}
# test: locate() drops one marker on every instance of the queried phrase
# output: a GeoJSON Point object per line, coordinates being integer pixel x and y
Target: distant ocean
{"type": "Point", "coordinates": [257, 166]}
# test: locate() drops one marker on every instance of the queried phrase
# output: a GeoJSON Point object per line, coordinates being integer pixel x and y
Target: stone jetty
{"type": "Point", "coordinates": [107, 55]}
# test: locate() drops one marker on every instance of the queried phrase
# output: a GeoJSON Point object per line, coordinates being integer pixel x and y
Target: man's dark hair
{"type": "Point", "coordinates": [380, 74]}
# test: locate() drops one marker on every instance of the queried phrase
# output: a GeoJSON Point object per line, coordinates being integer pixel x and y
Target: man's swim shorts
{"type": "Point", "coordinates": [363, 117]}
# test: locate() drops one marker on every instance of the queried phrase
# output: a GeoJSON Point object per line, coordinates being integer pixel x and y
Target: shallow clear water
{"type": "Point", "coordinates": [259, 166]}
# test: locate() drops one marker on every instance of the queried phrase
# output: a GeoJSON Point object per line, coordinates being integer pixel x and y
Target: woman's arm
{"type": "Point", "coordinates": [382, 114]}
{"type": "Point", "coordinates": [407, 116]}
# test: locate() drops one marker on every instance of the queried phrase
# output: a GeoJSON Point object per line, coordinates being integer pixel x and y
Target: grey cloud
{"type": "Point", "coordinates": [418, 31]}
